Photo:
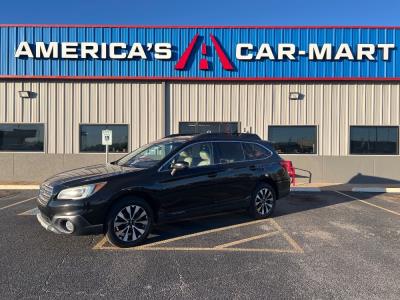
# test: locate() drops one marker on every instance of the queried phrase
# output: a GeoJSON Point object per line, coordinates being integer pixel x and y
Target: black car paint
{"type": "Point", "coordinates": [188, 192]}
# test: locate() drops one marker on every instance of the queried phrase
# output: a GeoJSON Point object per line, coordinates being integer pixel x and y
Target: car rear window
{"type": "Point", "coordinates": [228, 152]}
{"type": "Point", "coordinates": [254, 151]}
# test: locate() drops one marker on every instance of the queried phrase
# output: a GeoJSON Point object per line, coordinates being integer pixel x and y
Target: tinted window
{"type": "Point", "coordinates": [149, 155]}
{"type": "Point", "coordinates": [208, 127]}
{"type": "Point", "coordinates": [294, 139]}
{"type": "Point", "coordinates": [228, 152]}
{"type": "Point", "coordinates": [374, 140]}
{"type": "Point", "coordinates": [90, 138]}
{"type": "Point", "coordinates": [197, 155]}
{"type": "Point", "coordinates": [21, 137]}
{"type": "Point", "coordinates": [254, 151]}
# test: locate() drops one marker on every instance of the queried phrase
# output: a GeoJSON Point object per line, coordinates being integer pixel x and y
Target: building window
{"type": "Point", "coordinates": [294, 139]}
{"type": "Point", "coordinates": [90, 138]}
{"type": "Point", "coordinates": [208, 127]}
{"type": "Point", "coordinates": [22, 137]}
{"type": "Point", "coordinates": [374, 140]}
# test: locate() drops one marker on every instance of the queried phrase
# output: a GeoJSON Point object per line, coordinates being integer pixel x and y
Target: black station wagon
{"type": "Point", "coordinates": [169, 179]}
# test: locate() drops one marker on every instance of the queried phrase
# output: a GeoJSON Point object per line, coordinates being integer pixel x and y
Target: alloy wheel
{"type": "Point", "coordinates": [264, 201]}
{"type": "Point", "coordinates": [130, 223]}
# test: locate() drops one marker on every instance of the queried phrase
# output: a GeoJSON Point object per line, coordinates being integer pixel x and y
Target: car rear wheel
{"type": "Point", "coordinates": [263, 201]}
{"type": "Point", "coordinates": [129, 222]}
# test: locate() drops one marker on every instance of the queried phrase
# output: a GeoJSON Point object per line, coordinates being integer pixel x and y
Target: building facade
{"type": "Point", "coordinates": [328, 98]}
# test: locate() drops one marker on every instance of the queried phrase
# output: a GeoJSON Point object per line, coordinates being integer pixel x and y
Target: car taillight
{"type": "Point", "coordinates": [288, 166]}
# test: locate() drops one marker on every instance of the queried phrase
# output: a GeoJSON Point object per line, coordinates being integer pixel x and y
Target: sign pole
{"type": "Point", "coordinates": [106, 140]}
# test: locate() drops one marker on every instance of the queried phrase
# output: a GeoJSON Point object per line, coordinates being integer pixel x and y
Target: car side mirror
{"type": "Point", "coordinates": [178, 166]}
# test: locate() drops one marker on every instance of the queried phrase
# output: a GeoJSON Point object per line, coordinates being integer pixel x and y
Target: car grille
{"type": "Point", "coordinates": [45, 194]}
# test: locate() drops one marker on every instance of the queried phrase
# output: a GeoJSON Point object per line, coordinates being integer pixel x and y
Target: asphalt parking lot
{"type": "Point", "coordinates": [317, 245]}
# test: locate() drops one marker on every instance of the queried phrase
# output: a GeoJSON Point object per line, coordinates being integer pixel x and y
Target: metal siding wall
{"type": "Point", "coordinates": [333, 107]}
{"type": "Point", "coordinates": [62, 106]}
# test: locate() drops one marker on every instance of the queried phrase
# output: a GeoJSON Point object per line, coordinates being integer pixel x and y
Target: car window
{"type": "Point", "coordinates": [149, 155]}
{"type": "Point", "coordinates": [254, 151]}
{"type": "Point", "coordinates": [196, 155]}
{"type": "Point", "coordinates": [229, 152]}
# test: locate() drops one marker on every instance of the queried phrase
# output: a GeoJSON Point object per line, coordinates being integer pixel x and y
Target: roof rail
{"type": "Point", "coordinates": [217, 135]}
{"type": "Point", "coordinates": [244, 136]}
{"type": "Point", "coordinates": [177, 135]}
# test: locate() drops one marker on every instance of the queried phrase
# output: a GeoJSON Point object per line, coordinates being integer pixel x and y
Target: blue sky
{"type": "Point", "coordinates": [203, 12]}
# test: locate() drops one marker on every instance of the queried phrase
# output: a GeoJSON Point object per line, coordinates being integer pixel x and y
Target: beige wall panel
{"type": "Point", "coordinates": [63, 106]}
{"type": "Point", "coordinates": [110, 103]}
{"type": "Point", "coordinates": [135, 117]}
{"type": "Point", "coordinates": [69, 118]}
{"type": "Point", "coordinates": [3, 103]}
{"type": "Point", "coordinates": [10, 103]}
{"type": "Point", "coordinates": [77, 112]}
{"type": "Point", "coordinates": [394, 109]}
{"type": "Point", "coordinates": [333, 107]}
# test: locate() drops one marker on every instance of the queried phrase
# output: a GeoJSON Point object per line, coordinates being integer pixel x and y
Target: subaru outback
{"type": "Point", "coordinates": [164, 181]}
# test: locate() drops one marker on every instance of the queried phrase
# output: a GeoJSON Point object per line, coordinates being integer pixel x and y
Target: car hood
{"type": "Point", "coordinates": [86, 174]}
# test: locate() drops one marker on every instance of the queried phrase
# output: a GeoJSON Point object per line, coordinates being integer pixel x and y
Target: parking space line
{"type": "Point", "coordinates": [30, 212]}
{"type": "Point", "coordinates": [100, 244]}
{"type": "Point", "coordinates": [141, 248]}
{"type": "Point", "coordinates": [368, 203]}
{"type": "Point", "coordinates": [256, 237]}
{"type": "Point", "coordinates": [17, 203]}
{"type": "Point", "coordinates": [203, 233]}
{"type": "Point", "coordinates": [291, 241]}
{"type": "Point", "coordinates": [295, 248]}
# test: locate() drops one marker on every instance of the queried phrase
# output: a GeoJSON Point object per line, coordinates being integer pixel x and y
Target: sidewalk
{"type": "Point", "coordinates": [346, 187]}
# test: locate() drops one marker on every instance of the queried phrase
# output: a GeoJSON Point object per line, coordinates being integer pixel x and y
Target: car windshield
{"type": "Point", "coordinates": [149, 155]}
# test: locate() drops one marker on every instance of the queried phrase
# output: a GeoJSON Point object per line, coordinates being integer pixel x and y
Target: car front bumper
{"type": "Point", "coordinates": [57, 224]}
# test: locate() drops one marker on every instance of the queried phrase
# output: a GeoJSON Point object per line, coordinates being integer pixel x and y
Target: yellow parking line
{"type": "Point", "coordinates": [224, 247]}
{"type": "Point", "coordinates": [287, 237]}
{"type": "Point", "coordinates": [256, 237]}
{"type": "Point", "coordinates": [203, 233]}
{"type": "Point", "coordinates": [100, 244]}
{"type": "Point", "coordinates": [368, 203]}
{"type": "Point", "coordinates": [142, 248]}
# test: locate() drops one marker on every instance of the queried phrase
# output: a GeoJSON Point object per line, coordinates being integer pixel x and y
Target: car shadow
{"type": "Point", "coordinates": [198, 224]}
{"type": "Point", "coordinates": [295, 202]}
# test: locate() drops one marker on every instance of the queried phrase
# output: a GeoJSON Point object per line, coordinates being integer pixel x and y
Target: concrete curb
{"type": "Point", "coordinates": [344, 188]}
{"type": "Point", "coordinates": [305, 189]}
{"type": "Point", "coordinates": [19, 187]}
{"type": "Point", "coordinates": [376, 190]}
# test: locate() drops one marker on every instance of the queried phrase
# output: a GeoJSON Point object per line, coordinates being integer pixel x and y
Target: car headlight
{"type": "Point", "coordinates": [80, 192]}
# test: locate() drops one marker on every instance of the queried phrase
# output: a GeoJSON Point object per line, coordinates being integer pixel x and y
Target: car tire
{"type": "Point", "coordinates": [129, 222]}
{"type": "Point", "coordinates": [263, 201]}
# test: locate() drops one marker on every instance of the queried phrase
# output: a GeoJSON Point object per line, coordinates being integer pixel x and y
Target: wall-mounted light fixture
{"type": "Point", "coordinates": [27, 94]}
{"type": "Point", "coordinates": [296, 96]}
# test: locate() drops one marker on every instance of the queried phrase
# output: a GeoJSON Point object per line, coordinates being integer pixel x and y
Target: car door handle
{"type": "Point", "coordinates": [214, 174]}
{"type": "Point", "coordinates": [253, 168]}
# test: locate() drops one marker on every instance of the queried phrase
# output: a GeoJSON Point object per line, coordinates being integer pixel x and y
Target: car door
{"type": "Point", "coordinates": [236, 178]}
{"type": "Point", "coordinates": [191, 189]}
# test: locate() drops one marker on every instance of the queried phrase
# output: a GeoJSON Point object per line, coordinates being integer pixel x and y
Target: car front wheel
{"type": "Point", "coordinates": [263, 201]}
{"type": "Point", "coordinates": [129, 222]}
